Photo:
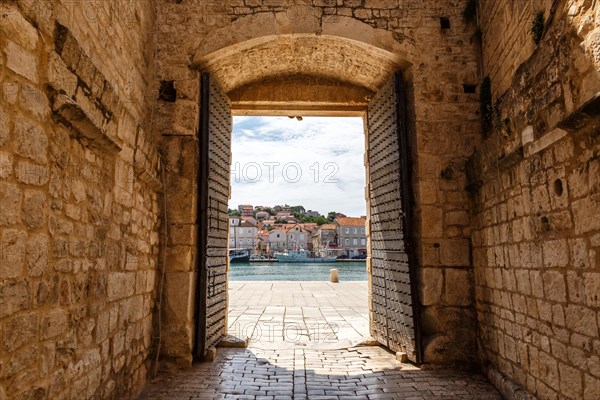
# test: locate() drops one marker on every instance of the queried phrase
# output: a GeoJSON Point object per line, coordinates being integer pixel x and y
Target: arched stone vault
{"type": "Point", "coordinates": [325, 71]}
{"type": "Point", "coordinates": [333, 63]}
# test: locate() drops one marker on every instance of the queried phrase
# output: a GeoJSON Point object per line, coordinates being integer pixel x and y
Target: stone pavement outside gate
{"type": "Point", "coordinates": [303, 345]}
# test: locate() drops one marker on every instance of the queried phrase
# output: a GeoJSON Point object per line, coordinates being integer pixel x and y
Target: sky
{"type": "Point", "coordinates": [316, 162]}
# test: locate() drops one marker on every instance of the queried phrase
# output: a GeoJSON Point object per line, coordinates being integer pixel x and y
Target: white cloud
{"type": "Point", "coordinates": [332, 146]}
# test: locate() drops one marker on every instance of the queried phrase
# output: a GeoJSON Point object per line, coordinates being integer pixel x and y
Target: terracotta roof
{"type": "Point", "coordinates": [328, 226]}
{"type": "Point", "coordinates": [349, 221]}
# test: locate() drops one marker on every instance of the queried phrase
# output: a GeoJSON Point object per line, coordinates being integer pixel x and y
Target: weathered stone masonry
{"type": "Point", "coordinates": [536, 201]}
{"type": "Point", "coordinates": [507, 218]}
{"type": "Point", "coordinates": [78, 203]}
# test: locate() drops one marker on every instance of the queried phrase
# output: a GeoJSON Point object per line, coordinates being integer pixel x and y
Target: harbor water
{"type": "Point", "coordinates": [280, 271]}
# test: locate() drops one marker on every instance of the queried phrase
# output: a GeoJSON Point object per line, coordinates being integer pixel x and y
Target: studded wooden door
{"type": "Point", "coordinates": [212, 215]}
{"type": "Point", "coordinates": [393, 285]}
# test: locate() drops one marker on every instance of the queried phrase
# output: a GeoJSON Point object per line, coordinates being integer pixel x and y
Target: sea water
{"type": "Point", "coordinates": [280, 271]}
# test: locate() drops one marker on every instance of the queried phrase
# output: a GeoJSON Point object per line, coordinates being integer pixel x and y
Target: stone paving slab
{"type": "Point", "coordinates": [289, 314]}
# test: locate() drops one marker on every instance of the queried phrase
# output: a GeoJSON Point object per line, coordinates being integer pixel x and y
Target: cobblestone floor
{"type": "Point", "coordinates": [354, 373]}
{"type": "Point", "coordinates": [310, 366]}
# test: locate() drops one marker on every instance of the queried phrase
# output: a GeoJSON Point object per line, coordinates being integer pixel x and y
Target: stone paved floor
{"type": "Point", "coordinates": [309, 368]}
{"type": "Point", "coordinates": [289, 314]}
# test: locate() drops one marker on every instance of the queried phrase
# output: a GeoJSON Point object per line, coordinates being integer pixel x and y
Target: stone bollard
{"type": "Point", "coordinates": [334, 276]}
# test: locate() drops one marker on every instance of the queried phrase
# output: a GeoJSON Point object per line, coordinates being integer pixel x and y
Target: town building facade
{"type": "Point", "coordinates": [351, 236]}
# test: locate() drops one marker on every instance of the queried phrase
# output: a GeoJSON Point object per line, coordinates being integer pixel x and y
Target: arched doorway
{"type": "Point", "coordinates": [323, 75]}
{"type": "Point", "coordinates": [275, 64]}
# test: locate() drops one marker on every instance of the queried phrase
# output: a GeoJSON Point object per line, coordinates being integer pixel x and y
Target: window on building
{"type": "Point", "coordinates": [249, 230]}
{"type": "Point", "coordinates": [347, 242]}
{"type": "Point", "coordinates": [362, 230]}
{"type": "Point", "coordinates": [363, 242]}
{"type": "Point", "coordinates": [355, 231]}
{"type": "Point", "coordinates": [354, 242]}
{"type": "Point", "coordinates": [347, 230]}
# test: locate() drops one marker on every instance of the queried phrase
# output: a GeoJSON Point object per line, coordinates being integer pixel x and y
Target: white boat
{"type": "Point", "coordinates": [301, 256]}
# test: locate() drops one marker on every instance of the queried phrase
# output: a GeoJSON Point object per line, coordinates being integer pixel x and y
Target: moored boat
{"type": "Point", "coordinates": [301, 256]}
{"type": "Point", "coordinates": [239, 255]}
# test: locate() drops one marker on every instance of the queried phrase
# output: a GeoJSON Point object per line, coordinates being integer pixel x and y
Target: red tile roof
{"type": "Point", "coordinates": [349, 221]}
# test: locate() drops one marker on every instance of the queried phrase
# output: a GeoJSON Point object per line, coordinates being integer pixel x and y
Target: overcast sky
{"type": "Point", "coordinates": [316, 162]}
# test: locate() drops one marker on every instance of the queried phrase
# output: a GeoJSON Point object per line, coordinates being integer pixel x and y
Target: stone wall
{"type": "Point", "coordinates": [78, 201]}
{"type": "Point", "coordinates": [357, 43]}
{"type": "Point", "coordinates": [536, 199]}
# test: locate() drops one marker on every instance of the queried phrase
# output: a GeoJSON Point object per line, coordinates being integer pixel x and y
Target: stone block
{"type": "Point", "coordinates": [179, 296]}
{"type": "Point", "coordinates": [180, 258]}
{"type": "Point", "coordinates": [431, 285]}
{"type": "Point", "coordinates": [582, 320]}
{"type": "Point", "coordinates": [556, 253]}
{"type": "Point", "coordinates": [579, 253]}
{"type": "Point", "coordinates": [21, 61]}
{"type": "Point", "coordinates": [182, 234]}
{"type": "Point", "coordinates": [10, 204]}
{"type": "Point", "coordinates": [592, 388]}
{"type": "Point", "coordinates": [431, 222]}
{"type": "Point", "coordinates": [571, 382]}
{"type": "Point", "coordinates": [456, 218]}
{"type": "Point", "coordinates": [53, 324]}
{"type": "Point", "coordinates": [554, 286]}
{"type": "Point", "coordinates": [6, 164]}
{"type": "Point", "coordinates": [5, 121]}
{"type": "Point", "coordinates": [32, 174]}
{"type": "Point", "coordinates": [548, 368]}
{"type": "Point", "coordinates": [34, 101]}
{"type": "Point", "coordinates": [458, 290]}
{"type": "Point", "coordinates": [440, 349]}
{"type": "Point", "coordinates": [19, 361]}
{"type": "Point", "coordinates": [12, 253]}
{"type": "Point", "coordinates": [454, 252]}
{"type": "Point", "coordinates": [136, 308]}
{"type": "Point", "coordinates": [592, 289]}
{"type": "Point", "coordinates": [14, 296]}
{"type": "Point", "coordinates": [178, 343]}
{"type": "Point", "coordinates": [120, 285]}
{"type": "Point", "coordinates": [37, 254]}
{"type": "Point", "coordinates": [30, 140]}
{"type": "Point", "coordinates": [362, 13]}
{"type": "Point", "coordinates": [14, 26]}
{"type": "Point", "coordinates": [19, 330]}
{"type": "Point", "coordinates": [34, 208]}
{"type": "Point", "coordinates": [585, 214]}
{"type": "Point", "coordinates": [381, 4]}
{"type": "Point", "coordinates": [59, 76]}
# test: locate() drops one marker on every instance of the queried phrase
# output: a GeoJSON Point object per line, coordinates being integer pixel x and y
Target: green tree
{"type": "Point", "coordinates": [331, 215]}
{"type": "Point", "coordinates": [235, 213]}
{"type": "Point", "coordinates": [268, 209]}
{"type": "Point", "coordinates": [298, 209]}
{"type": "Point", "coordinates": [320, 220]}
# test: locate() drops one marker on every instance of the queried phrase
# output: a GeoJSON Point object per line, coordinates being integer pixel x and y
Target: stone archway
{"type": "Point", "coordinates": [259, 57]}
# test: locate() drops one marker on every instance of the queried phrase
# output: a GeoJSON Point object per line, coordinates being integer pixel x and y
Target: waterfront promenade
{"type": "Point", "coordinates": [314, 314]}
